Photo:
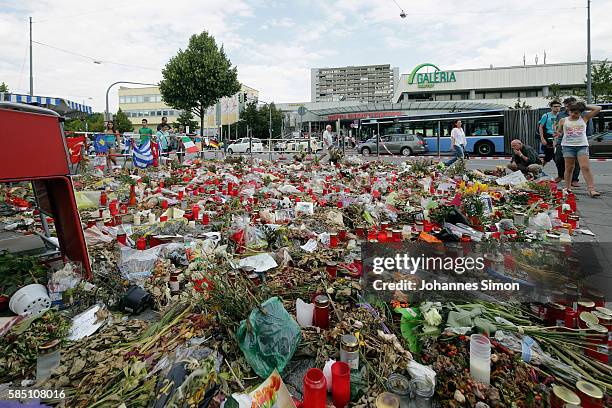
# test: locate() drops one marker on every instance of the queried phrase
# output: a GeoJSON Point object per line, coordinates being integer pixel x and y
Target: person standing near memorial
{"type": "Point", "coordinates": [575, 144]}
{"type": "Point", "coordinates": [547, 127]}
{"type": "Point", "coordinates": [145, 132]}
{"type": "Point", "coordinates": [112, 140]}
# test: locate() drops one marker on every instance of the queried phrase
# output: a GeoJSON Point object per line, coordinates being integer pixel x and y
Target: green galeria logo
{"type": "Point", "coordinates": [428, 79]}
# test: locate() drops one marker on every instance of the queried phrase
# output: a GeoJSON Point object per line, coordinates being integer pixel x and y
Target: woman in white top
{"type": "Point", "coordinates": [458, 143]}
{"type": "Point", "coordinates": [575, 144]}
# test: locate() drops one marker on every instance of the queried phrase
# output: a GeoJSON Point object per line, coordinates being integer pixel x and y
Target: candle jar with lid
{"type": "Point", "coordinates": [400, 386]}
{"type": "Point", "coordinates": [321, 312]}
{"type": "Point", "coordinates": [387, 400]}
{"type": "Point", "coordinates": [48, 359]}
{"type": "Point", "coordinates": [349, 351]}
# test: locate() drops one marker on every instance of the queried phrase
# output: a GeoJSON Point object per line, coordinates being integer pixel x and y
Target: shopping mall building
{"type": "Point", "coordinates": [428, 89]}
{"type": "Point", "coordinates": [532, 84]}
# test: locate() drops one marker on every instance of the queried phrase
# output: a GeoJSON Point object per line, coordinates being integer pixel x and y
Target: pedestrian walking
{"type": "Point", "coordinates": [112, 139]}
{"type": "Point", "coordinates": [547, 127]}
{"type": "Point", "coordinates": [328, 142]}
{"type": "Point", "coordinates": [458, 143]}
{"type": "Point", "coordinates": [575, 144]}
{"type": "Point", "coordinates": [524, 158]}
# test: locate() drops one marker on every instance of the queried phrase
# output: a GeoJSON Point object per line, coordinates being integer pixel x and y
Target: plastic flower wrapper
{"type": "Point", "coordinates": [432, 317]}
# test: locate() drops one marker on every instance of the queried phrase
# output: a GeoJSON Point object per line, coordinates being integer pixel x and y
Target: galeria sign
{"type": "Point", "coordinates": [428, 79]}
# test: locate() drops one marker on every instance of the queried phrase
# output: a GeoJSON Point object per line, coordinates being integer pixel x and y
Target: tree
{"type": "Point", "coordinates": [601, 82]}
{"type": "Point", "coordinates": [521, 105]}
{"type": "Point", "coordinates": [196, 78]}
{"type": "Point", "coordinates": [95, 122]}
{"type": "Point", "coordinates": [74, 125]}
{"type": "Point", "coordinates": [4, 88]}
{"type": "Point", "coordinates": [186, 119]}
{"type": "Point", "coordinates": [122, 123]}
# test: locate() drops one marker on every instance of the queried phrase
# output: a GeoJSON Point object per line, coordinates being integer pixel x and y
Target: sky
{"type": "Point", "coordinates": [81, 47]}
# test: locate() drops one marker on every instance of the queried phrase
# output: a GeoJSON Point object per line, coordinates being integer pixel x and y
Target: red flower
{"type": "Point", "coordinates": [203, 285]}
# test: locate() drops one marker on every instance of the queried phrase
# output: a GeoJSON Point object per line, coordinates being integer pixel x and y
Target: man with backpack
{"type": "Point", "coordinates": [547, 127]}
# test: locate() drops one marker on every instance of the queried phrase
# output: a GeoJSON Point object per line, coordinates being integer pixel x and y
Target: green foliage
{"type": "Point", "coordinates": [122, 122]}
{"type": "Point", "coordinates": [258, 121]}
{"type": "Point", "coordinates": [197, 77]}
{"type": "Point", "coordinates": [74, 125]}
{"type": "Point", "coordinates": [602, 82]}
{"type": "Point", "coordinates": [521, 105]}
{"type": "Point", "coordinates": [186, 119]}
{"type": "Point", "coordinates": [19, 271]}
{"type": "Point", "coordinates": [4, 87]}
{"type": "Point", "coordinates": [91, 123]}
{"type": "Point", "coordinates": [473, 206]}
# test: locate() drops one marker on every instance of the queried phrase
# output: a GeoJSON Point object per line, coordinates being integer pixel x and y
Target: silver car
{"type": "Point", "coordinates": [405, 145]}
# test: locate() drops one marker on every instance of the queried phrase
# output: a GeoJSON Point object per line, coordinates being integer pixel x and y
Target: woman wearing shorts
{"type": "Point", "coordinates": [112, 141]}
{"type": "Point", "coordinates": [575, 145]}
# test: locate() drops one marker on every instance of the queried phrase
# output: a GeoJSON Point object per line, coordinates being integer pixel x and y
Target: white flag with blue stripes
{"type": "Point", "coordinates": [143, 156]}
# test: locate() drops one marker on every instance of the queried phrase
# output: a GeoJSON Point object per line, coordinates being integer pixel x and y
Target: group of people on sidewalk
{"type": "Point", "coordinates": [564, 137]}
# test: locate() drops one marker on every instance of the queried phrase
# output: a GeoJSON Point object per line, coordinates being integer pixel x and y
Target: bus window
{"type": "Point", "coordinates": [425, 128]}
{"type": "Point", "coordinates": [484, 127]}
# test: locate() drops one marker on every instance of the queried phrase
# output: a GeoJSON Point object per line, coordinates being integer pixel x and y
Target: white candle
{"type": "Point", "coordinates": [137, 218]}
{"type": "Point", "coordinates": [191, 224]}
{"type": "Point", "coordinates": [152, 218]}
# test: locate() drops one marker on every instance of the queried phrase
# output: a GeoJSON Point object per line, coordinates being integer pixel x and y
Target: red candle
{"type": "Point", "coordinates": [360, 232]}
{"type": "Point", "coordinates": [103, 199]}
{"type": "Point", "coordinates": [181, 194]}
{"type": "Point", "coordinates": [341, 384]}
{"type": "Point", "coordinates": [342, 234]}
{"type": "Point", "coordinates": [333, 240]}
{"type": "Point", "coordinates": [397, 235]}
{"type": "Point", "coordinates": [321, 312]}
{"type": "Point", "coordinates": [339, 205]}
{"type": "Point", "coordinates": [122, 238]}
{"type": "Point", "coordinates": [372, 234]}
{"type": "Point", "coordinates": [332, 270]}
{"type": "Point", "coordinates": [141, 243]}
{"type": "Point", "coordinates": [315, 389]}
{"type": "Point", "coordinates": [205, 219]}
{"type": "Point", "coordinates": [113, 207]}
{"type": "Point", "coordinates": [164, 204]}
{"type": "Point", "coordinates": [163, 218]}
{"type": "Point", "coordinates": [196, 212]}
{"type": "Point", "coordinates": [382, 236]}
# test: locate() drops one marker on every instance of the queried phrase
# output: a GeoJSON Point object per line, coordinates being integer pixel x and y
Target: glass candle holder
{"type": "Point", "coordinates": [321, 312]}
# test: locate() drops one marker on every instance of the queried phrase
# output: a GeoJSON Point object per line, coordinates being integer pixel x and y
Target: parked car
{"type": "Point", "coordinates": [403, 144]}
{"type": "Point", "coordinates": [600, 144]}
{"type": "Point", "coordinates": [244, 146]}
{"type": "Point", "coordinates": [297, 145]}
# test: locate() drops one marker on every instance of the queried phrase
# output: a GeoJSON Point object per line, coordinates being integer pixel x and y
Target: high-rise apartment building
{"type": "Point", "coordinates": [366, 83]}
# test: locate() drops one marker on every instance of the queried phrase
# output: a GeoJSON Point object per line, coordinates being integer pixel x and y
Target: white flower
{"type": "Point", "coordinates": [432, 317]}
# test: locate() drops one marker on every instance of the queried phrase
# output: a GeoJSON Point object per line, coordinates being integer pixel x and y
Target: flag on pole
{"type": "Point", "coordinates": [143, 156]}
{"type": "Point", "coordinates": [190, 147]}
{"type": "Point", "coordinates": [213, 143]}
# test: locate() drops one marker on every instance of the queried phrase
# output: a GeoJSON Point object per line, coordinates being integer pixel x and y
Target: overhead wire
{"type": "Point", "coordinates": [94, 60]}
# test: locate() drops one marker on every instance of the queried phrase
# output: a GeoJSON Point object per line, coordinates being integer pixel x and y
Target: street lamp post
{"type": "Point", "coordinates": [106, 112]}
{"type": "Point", "coordinates": [589, 83]}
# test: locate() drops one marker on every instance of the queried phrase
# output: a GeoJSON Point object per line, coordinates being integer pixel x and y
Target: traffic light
{"type": "Point", "coordinates": [245, 97]}
{"type": "Point", "coordinates": [240, 98]}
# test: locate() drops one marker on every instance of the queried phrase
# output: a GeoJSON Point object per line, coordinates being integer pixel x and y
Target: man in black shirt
{"type": "Point", "coordinates": [163, 123]}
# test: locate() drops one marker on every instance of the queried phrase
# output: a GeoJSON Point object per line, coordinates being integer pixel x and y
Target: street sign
{"type": "Point", "coordinates": [301, 111]}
